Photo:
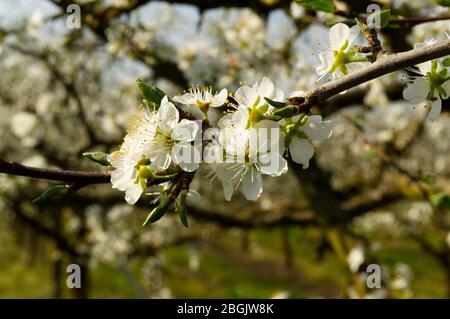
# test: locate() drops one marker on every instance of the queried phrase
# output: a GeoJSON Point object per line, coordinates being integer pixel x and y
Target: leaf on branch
{"type": "Point", "coordinates": [48, 193]}
{"type": "Point", "coordinates": [152, 94]}
{"type": "Point", "coordinates": [158, 212]}
{"type": "Point", "coordinates": [275, 104]}
{"type": "Point", "coordinates": [182, 207]}
{"type": "Point", "coordinates": [441, 200]}
{"type": "Point", "coordinates": [286, 111]}
{"type": "Point", "coordinates": [317, 5]}
{"type": "Point", "coordinates": [98, 157]}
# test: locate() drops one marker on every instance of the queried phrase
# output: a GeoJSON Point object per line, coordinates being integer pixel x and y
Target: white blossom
{"type": "Point", "coordinates": [124, 176]}
{"type": "Point", "coordinates": [199, 101]}
{"type": "Point", "coordinates": [340, 58]}
{"type": "Point", "coordinates": [431, 85]}
{"type": "Point", "coordinates": [172, 140]}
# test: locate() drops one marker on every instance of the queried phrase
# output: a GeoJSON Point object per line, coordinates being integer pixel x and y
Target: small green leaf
{"type": "Point", "coordinates": [158, 211]}
{"type": "Point", "coordinates": [98, 157]}
{"type": "Point", "coordinates": [385, 16]}
{"type": "Point", "coordinates": [182, 207]}
{"type": "Point", "coordinates": [48, 193]}
{"type": "Point", "coordinates": [440, 199]}
{"type": "Point", "coordinates": [286, 111]}
{"type": "Point", "coordinates": [446, 62]}
{"type": "Point", "coordinates": [444, 3]}
{"type": "Point", "coordinates": [317, 5]}
{"type": "Point", "coordinates": [152, 94]}
{"type": "Point", "coordinates": [275, 104]}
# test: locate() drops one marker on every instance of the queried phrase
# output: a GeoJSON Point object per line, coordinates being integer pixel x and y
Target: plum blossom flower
{"type": "Point", "coordinates": [199, 101]}
{"type": "Point", "coordinates": [172, 140]}
{"type": "Point", "coordinates": [431, 86]}
{"type": "Point", "coordinates": [252, 105]}
{"type": "Point", "coordinates": [124, 176]}
{"type": "Point", "coordinates": [126, 160]}
{"type": "Point", "coordinates": [299, 131]}
{"type": "Point", "coordinates": [340, 58]}
{"type": "Point", "coordinates": [247, 155]}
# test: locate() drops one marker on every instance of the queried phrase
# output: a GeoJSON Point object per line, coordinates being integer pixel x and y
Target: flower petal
{"type": "Point", "coordinates": [228, 190]}
{"type": "Point", "coordinates": [272, 164]}
{"type": "Point", "coordinates": [252, 184]}
{"type": "Point", "coordinates": [246, 96]}
{"type": "Point", "coordinates": [161, 161]}
{"type": "Point", "coordinates": [185, 131]}
{"type": "Point", "coordinates": [435, 109]}
{"type": "Point", "coordinates": [183, 155]}
{"type": "Point", "coordinates": [338, 35]}
{"type": "Point", "coordinates": [219, 99]}
{"type": "Point", "coordinates": [316, 129]}
{"type": "Point", "coordinates": [301, 151]}
{"type": "Point", "coordinates": [265, 88]}
{"type": "Point", "coordinates": [327, 60]}
{"type": "Point", "coordinates": [133, 194]}
{"type": "Point", "coordinates": [417, 91]}
{"type": "Point", "coordinates": [167, 116]}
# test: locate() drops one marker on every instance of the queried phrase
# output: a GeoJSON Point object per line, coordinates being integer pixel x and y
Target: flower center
{"type": "Point", "coordinates": [436, 79]}
{"type": "Point", "coordinates": [293, 129]}
{"type": "Point", "coordinates": [341, 58]}
{"type": "Point", "coordinates": [203, 105]}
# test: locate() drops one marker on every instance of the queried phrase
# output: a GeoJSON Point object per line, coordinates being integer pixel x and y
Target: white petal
{"type": "Point", "coordinates": [269, 137]}
{"type": "Point", "coordinates": [353, 34]}
{"type": "Point", "coordinates": [278, 95]}
{"type": "Point", "coordinates": [187, 98]}
{"type": "Point", "coordinates": [316, 129]}
{"type": "Point", "coordinates": [133, 194]}
{"type": "Point", "coordinates": [301, 151]}
{"type": "Point", "coordinates": [183, 155]}
{"type": "Point", "coordinates": [121, 179]}
{"type": "Point", "coordinates": [193, 196]}
{"type": "Point", "coordinates": [425, 67]}
{"type": "Point", "coordinates": [327, 60]}
{"type": "Point", "coordinates": [194, 110]}
{"type": "Point", "coordinates": [338, 35]}
{"type": "Point", "coordinates": [185, 131]}
{"type": "Point", "coordinates": [265, 88]}
{"type": "Point", "coordinates": [417, 91]}
{"type": "Point", "coordinates": [435, 109]}
{"type": "Point", "coordinates": [246, 96]}
{"type": "Point", "coordinates": [161, 161]}
{"type": "Point", "coordinates": [252, 184]}
{"type": "Point", "coordinates": [228, 190]}
{"type": "Point", "coordinates": [272, 164]}
{"type": "Point", "coordinates": [167, 116]}
{"type": "Point", "coordinates": [220, 98]}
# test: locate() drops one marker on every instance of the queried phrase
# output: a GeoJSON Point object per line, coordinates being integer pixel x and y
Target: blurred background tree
{"type": "Point", "coordinates": [376, 192]}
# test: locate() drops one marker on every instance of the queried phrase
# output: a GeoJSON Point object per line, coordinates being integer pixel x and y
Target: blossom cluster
{"type": "Point", "coordinates": [249, 140]}
{"type": "Point", "coordinates": [244, 135]}
{"type": "Point", "coordinates": [431, 84]}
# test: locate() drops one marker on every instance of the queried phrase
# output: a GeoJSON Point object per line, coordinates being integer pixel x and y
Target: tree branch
{"type": "Point", "coordinates": [75, 177]}
{"type": "Point", "coordinates": [384, 65]}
